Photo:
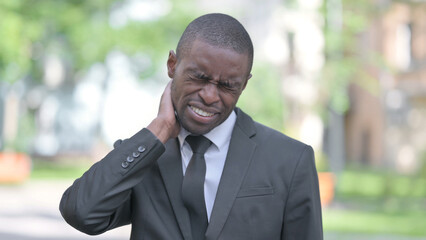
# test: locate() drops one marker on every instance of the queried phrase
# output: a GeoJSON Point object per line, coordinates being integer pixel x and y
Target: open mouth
{"type": "Point", "coordinates": [201, 112]}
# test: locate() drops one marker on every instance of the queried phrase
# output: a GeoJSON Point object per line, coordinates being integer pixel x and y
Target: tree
{"type": "Point", "coordinates": [81, 33]}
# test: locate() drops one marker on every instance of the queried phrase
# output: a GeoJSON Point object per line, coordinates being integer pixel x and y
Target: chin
{"type": "Point", "coordinates": [197, 130]}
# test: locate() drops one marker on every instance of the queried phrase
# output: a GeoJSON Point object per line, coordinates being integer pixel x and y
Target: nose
{"type": "Point", "coordinates": [209, 94]}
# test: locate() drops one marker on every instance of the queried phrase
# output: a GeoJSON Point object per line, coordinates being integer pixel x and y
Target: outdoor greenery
{"type": "Point", "coordinates": [82, 33]}
{"type": "Point", "coordinates": [379, 184]}
{"type": "Point", "coordinates": [79, 31]}
{"type": "Point", "coordinates": [71, 168]}
{"type": "Point", "coordinates": [262, 97]}
{"type": "Point", "coordinates": [367, 201]}
{"type": "Point", "coordinates": [377, 201]}
{"type": "Point", "coordinates": [374, 222]}
{"type": "Point", "coordinates": [345, 23]}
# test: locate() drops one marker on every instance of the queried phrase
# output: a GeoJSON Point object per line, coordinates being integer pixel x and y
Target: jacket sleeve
{"type": "Point", "coordinates": [302, 217]}
{"type": "Point", "coordinates": [100, 199]}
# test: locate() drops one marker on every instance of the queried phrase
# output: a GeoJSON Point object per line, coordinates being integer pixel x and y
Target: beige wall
{"type": "Point", "coordinates": [386, 123]}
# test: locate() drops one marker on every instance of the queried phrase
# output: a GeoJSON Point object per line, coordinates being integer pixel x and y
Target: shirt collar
{"type": "Point", "coordinates": [220, 135]}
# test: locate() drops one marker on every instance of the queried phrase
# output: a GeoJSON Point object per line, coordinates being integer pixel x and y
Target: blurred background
{"type": "Point", "coordinates": [347, 77]}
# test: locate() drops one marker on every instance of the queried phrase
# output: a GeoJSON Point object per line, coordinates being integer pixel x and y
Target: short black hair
{"type": "Point", "coordinates": [219, 30]}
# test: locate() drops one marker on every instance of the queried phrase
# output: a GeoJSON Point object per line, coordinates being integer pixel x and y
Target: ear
{"type": "Point", "coordinates": [245, 84]}
{"type": "Point", "coordinates": [171, 64]}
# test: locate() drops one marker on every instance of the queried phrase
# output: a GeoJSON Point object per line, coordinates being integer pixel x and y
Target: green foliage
{"type": "Point", "coordinates": [373, 222]}
{"type": "Point", "coordinates": [291, 4]}
{"type": "Point", "coordinates": [321, 162]}
{"type": "Point", "coordinates": [26, 130]}
{"type": "Point", "coordinates": [422, 171]}
{"type": "Point", "coordinates": [262, 97]}
{"type": "Point", "coordinates": [375, 184]}
{"type": "Point", "coordinates": [59, 168]}
{"type": "Point", "coordinates": [377, 202]}
{"type": "Point", "coordinates": [345, 64]}
{"type": "Point", "coordinates": [361, 184]}
{"type": "Point", "coordinates": [81, 32]}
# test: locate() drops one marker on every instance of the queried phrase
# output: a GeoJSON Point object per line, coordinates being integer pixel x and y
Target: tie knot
{"type": "Point", "coordinates": [199, 144]}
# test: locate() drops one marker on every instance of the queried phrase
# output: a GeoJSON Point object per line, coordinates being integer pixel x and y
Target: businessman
{"type": "Point", "coordinates": [202, 169]}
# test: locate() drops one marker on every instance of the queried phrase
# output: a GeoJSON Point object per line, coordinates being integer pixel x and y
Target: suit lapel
{"type": "Point", "coordinates": [170, 165]}
{"type": "Point", "coordinates": [238, 159]}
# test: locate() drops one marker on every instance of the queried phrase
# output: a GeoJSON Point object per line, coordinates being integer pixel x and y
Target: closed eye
{"type": "Point", "coordinates": [228, 86]}
{"type": "Point", "coordinates": [200, 77]}
{"type": "Point", "coordinates": [197, 76]}
{"type": "Point", "coordinates": [203, 77]}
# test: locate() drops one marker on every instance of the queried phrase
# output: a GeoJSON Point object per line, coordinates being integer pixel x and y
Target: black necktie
{"type": "Point", "coordinates": [193, 186]}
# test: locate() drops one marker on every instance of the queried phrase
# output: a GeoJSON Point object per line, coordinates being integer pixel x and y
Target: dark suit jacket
{"type": "Point", "coordinates": [268, 190]}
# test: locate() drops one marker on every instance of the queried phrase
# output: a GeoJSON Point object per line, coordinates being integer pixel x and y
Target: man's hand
{"type": "Point", "coordinates": [165, 125]}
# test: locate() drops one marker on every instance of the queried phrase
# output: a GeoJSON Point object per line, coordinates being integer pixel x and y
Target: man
{"type": "Point", "coordinates": [248, 181]}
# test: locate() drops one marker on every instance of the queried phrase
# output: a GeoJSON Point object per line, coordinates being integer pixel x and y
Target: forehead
{"type": "Point", "coordinates": [215, 60]}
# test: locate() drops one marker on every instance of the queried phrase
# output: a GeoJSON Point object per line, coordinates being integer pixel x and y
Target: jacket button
{"type": "Point", "coordinates": [136, 154]}
{"type": "Point", "coordinates": [130, 159]}
{"type": "Point", "coordinates": [124, 164]}
{"type": "Point", "coordinates": [141, 149]}
{"type": "Point", "coordinates": [117, 143]}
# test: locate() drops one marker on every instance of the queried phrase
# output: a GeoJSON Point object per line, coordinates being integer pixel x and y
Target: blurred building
{"type": "Point", "coordinates": [386, 121]}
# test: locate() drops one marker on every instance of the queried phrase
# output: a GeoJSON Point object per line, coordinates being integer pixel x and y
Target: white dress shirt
{"type": "Point", "coordinates": [215, 157]}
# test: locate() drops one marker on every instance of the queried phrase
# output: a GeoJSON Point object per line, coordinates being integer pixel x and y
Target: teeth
{"type": "Point", "coordinates": [201, 112]}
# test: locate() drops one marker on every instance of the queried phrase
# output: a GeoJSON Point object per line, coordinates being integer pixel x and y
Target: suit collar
{"type": "Point", "coordinates": [170, 165]}
{"type": "Point", "coordinates": [236, 166]}
{"type": "Point", "coordinates": [246, 123]}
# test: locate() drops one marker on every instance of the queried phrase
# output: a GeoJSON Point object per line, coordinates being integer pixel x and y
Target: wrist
{"type": "Point", "coordinates": [160, 129]}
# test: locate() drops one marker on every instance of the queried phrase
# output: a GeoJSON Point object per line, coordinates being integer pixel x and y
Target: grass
{"type": "Point", "coordinates": [376, 184]}
{"type": "Point", "coordinates": [367, 202]}
{"type": "Point", "coordinates": [63, 169]}
{"type": "Point", "coordinates": [356, 221]}
{"type": "Point", "coordinates": [377, 202]}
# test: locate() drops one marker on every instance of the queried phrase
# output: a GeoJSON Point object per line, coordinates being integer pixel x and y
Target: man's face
{"type": "Point", "coordinates": [207, 83]}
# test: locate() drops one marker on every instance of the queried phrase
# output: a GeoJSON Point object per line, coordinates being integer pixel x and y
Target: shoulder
{"type": "Point", "coordinates": [268, 140]}
{"type": "Point", "coordinates": [276, 154]}
{"type": "Point", "coordinates": [276, 139]}
{"type": "Point", "coordinates": [263, 134]}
